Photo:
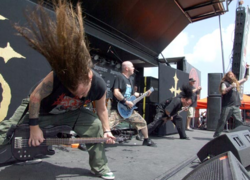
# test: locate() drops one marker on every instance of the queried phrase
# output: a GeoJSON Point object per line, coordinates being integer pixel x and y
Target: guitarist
{"type": "Point", "coordinates": [59, 98]}
{"type": "Point", "coordinates": [168, 110]}
{"type": "Point", "coordinates": [123, 88]}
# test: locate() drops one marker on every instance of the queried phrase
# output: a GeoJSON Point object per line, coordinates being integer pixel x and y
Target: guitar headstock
{"type": "Point", "coordinates": [151, 89]}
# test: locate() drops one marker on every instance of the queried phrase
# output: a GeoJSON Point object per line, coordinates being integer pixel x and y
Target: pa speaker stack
{"type": "Point", "coordinates": [213, 100]}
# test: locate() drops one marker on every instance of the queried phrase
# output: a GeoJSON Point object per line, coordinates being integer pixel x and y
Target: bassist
{"type": "Point", "coordinates": [60, 97]}
{"type": "Point", "coordinates": [122, 89]}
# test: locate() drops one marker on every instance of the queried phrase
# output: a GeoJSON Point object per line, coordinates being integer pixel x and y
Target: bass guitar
{"type": "Point", "coordinates": [125, 111]}
{"type": "Point", "coordinates": [18, 149]}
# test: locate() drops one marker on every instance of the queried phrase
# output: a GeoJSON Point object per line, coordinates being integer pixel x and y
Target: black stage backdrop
{"type": "Point", "coordinates": [170, 82]}
{"type": "Point", "coordinates": [20, 66]}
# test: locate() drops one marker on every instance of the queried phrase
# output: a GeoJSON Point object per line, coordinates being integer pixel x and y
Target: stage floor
{"type": "Point", "coordinates": [128, 161]}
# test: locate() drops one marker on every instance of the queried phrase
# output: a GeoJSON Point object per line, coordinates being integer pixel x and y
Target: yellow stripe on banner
{"type": "Point", "coordinates": [144, 99]}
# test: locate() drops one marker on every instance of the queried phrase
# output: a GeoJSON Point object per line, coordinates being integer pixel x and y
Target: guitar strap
{"type": "Point", "coordinates": [25, 103]}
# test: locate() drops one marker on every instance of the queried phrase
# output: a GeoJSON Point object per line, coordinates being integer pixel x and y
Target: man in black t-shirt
{"type": "Point", "coordinates": [123, 89]}
{"type": "Point", "coordinates": [60, 98]}
{"type": "Point", "coordinates": [169, 110]}
{"type": "Point", "coordinates": [230, 88]}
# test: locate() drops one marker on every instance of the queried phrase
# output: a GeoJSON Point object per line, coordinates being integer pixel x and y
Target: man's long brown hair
{"type": "Point", "coordinates": [61, 40]}
{"type": "Point", "coordinates": [230, 80]}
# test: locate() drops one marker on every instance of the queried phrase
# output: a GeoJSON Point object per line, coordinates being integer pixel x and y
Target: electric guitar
{"type": "Point", "coordinates": [125, 111]}
{"type": "Point", "coordinates": [18, 150]}
{"type": "Point", "coordinates": [182, 109]}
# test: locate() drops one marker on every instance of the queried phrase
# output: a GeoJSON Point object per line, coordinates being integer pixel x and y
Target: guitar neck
{"type": "Point", "coordinates": [140, 98]}
{"type": "Point", "coordinates": [68, 141]}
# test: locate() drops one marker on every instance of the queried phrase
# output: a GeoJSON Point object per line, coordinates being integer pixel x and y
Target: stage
{"type": "Point", "coordinates": [172, 159]}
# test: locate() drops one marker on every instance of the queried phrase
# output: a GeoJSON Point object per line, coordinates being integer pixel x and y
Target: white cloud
{"type": "Point", "coordinates": [208, 47]}
{"type": "Point", "coordinates": [176, 47]}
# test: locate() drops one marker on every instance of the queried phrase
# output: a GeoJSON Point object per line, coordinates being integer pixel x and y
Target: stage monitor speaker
{"type": "Point", "coordinates": [148, 82]}
{"type": "Point", "coordinates": [213, 112]}
{"type": "Point", "coordinates": [236, 142]}
{"type": "Point", "coordinates": [214, 80]}
{"type": "Point", "coordinates": [224, 166]}
{"type": "Point", "coordinates": [244, 126]}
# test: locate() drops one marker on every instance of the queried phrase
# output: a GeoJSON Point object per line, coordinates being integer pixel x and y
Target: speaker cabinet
{"type": "Point", "coordinates": [214, 83]}
{"type": "Point", "coordinates": [213, 112]}
{"type": "Point", "coordinates": [169, 127]}
{"type": "Point", "coordinates": [223, 166]}
{"type": "Point", "coordinates": [145, 84]}
{"type": "Point", "coordinates": [148, 112]}
{"type": "Point", "coordinates": [236, 142]}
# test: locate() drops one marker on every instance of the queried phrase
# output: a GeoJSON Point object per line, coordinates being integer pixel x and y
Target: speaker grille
{"type": "Point", "coordinates": [211, 170]}
{"type": "Point", "coordinates": [224, 166]}
{"type": "Point", "coordinates": [214, 83]}
{"type": "Point", "coordinates": [213, 112]}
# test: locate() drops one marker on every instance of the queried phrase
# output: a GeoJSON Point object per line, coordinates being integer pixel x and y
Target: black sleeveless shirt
{"type": "Point", "coordinates": [232, 98]}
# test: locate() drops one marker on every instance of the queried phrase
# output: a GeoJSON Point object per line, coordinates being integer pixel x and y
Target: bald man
{"type": "Point", "coordinates": [123, 89]}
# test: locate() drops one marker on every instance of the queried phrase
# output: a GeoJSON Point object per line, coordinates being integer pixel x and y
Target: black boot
{"type": "Point", "coordinates": [148, 142]}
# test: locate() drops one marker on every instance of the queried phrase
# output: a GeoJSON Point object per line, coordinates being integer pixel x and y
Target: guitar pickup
{"type": "Point", "coordinates": [18, 142]}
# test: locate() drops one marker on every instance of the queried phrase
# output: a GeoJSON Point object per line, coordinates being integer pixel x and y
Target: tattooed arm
{"type": "Point", "coordinates": [41, 91]}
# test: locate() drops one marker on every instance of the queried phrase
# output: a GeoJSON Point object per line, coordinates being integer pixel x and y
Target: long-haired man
{"type": "Point", "coordinates": [60, 97]}
{"type": "Point", "coordinates": [229, 89]}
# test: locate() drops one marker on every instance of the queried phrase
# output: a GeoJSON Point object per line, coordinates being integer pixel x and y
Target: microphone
{"type": "Point", "coordinates": [109, 49]}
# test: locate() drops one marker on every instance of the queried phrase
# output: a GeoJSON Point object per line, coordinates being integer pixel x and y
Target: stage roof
{"type": "Point", "coordinates": [139, 30]}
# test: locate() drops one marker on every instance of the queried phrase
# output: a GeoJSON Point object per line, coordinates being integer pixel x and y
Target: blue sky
{"type": "Point", "coordinates": [200, 43]}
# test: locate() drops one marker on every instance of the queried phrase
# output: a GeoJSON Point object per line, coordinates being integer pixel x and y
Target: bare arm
{"type": "Point", "coordinates": [103, 115]}
{"type": "Point", "coordinates": [197, 90]}
{"type": "Point", "coordinates": [120, 97]}
{"type": "Point", "coordinates": [225, 89]}
{"type": "Point", "coordinates": [40, 92]}
{"type": "Point", "coordinates": [246, 75]}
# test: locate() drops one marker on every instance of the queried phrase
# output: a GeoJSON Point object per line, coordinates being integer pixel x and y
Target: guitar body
{"type": "Point", "coordinates": [6, 155]}
{"type": "Point", "coordinates": [19, 150]}
{"type": "Point", "coordinates": [123, 110]}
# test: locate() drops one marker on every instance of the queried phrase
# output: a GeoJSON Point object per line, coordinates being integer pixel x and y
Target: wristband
{"type": "Point", "coordinates": [123, 101]}
{"type": "Point", "coordinates": [107, 131]}
{"type": "Point", "coordinates": [33, 121]}
{"type": "Point", "coordinates": [140, 94]}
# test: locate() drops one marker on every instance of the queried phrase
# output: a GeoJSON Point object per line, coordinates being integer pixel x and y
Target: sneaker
{"type": "Point", "coordinates": [148, 142]}
{"type": "Point", "coordinates": [108, 175]}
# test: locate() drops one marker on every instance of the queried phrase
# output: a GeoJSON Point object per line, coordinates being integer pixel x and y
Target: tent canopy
{"type": "Point", "coordinates": [245, 103]}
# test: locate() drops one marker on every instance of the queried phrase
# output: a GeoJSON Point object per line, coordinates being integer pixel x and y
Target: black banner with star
{"type": "Point", "coordinates": [170, 82]}
{"type": "Point", "coordinates": [21, 67]}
